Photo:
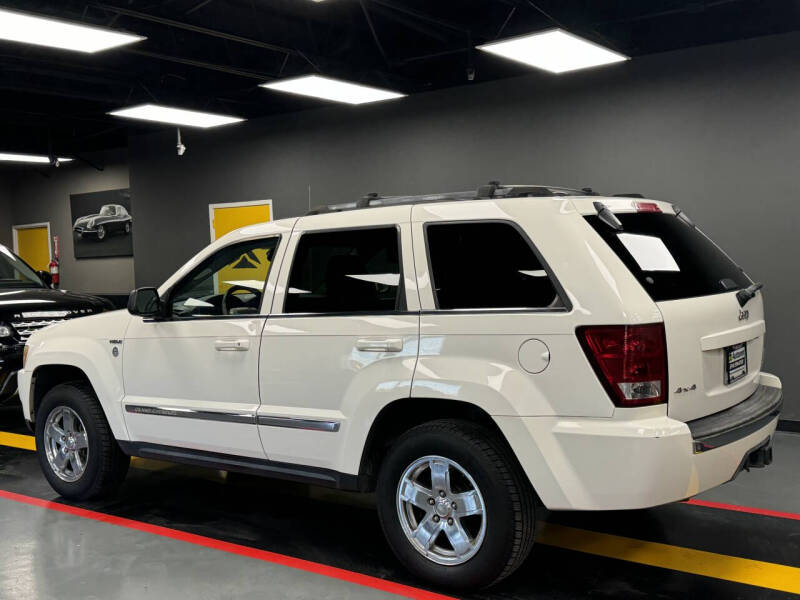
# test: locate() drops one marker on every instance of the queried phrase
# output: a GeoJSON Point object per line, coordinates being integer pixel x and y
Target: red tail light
{"type": "Point", "coordinates": [630, 361]}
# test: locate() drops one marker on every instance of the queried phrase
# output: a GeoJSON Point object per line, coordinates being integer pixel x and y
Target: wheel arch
{"type": "Point", "coordinates": [399, 416]}
{"type": "Point", "coordinates": [45, 376]}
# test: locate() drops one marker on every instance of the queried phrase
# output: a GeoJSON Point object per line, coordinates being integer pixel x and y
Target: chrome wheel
{"type": "Point", "coordinates": [441, 510]}
{"type": "Point", "coordinates": [101, 232]}
{"type": "Point", "coordinates": [66, 444]}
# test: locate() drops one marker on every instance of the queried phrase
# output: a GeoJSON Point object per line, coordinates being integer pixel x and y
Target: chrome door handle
{"type": "Point", "coordinates": [232, 345]}
{"type": "Point", "coordinates": [380, 344]}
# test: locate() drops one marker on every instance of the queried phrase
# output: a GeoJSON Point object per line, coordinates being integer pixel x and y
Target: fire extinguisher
{"type": "Point", "coordinates": [53, 266]}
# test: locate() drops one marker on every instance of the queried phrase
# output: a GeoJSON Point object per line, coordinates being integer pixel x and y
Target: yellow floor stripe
{"type": "Point", "coordinates": [15, 440]}
{"type": "Point", "coordinates": [654, 554]}
{"type": "Point", "coordinates": [676, 558]}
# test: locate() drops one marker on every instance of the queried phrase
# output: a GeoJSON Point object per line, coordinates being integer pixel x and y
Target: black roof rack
{"type": "Point", "coordinates": [494, 189]}
{"type": "Point", "coordinates": [631, 195]}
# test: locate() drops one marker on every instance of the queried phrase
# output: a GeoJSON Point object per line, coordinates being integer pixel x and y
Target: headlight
{"type": "Point", "coordinates": [6, 331]}
{"type": "Point", "coordinates": [91, 223]}
{"type": "Point", "coordinates": [25, 355]}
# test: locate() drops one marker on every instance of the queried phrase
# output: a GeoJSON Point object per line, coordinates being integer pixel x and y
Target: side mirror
{"type": "Point", "coordinates": [46, 278]}
{"type": "Point", "coordinates": [145, 302]}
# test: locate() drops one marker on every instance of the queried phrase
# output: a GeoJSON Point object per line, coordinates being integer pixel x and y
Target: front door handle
{"type": "Point", "coordinates": [232, 345]}
{"type": "Point", "coordinates": [380, 344]}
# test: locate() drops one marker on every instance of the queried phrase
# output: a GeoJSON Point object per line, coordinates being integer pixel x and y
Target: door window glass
{"type": "Point", "coordinates": [486, 265]}
{"type": "Point", "coordinates": [230, 282]}
{"type": "Point", "coordinates": [356, 270]}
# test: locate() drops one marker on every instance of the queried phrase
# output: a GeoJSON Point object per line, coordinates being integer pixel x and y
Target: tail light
{"type": "Point", "coordinates": [630, 361]}
{"type": "Point", "coordinates": [647, 207]}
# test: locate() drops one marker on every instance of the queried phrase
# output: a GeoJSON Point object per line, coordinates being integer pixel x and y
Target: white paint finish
{"type": "Point", "coordinates": [176, 364]}
{"type": "Point", "coordinates": [697, 331]}
{"type": "Point", "coordinates": [330, 367]}
{"type": "Point", "coordinates": [83, 343]}
{"type": "Point", "coordinates": [576, 448]}
{"type": "Point", "coordinates": [616, 464]}
{"type": "Point", "coordinates": [534, 356]}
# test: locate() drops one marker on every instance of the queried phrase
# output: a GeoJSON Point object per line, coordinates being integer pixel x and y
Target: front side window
{"type": "Point", "coordinates": [356, 270]}
{"type": "Point", "coordinates": [107, 211]}
{"type": "Point", "coordinates": [230, 282]}
{"type": "Point", "coordinates": [486, 265]}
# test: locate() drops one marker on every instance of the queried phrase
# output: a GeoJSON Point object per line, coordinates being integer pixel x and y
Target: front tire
{"type": "Point", "coordinates": [77, 451]}
{"type": "Point", "coordinates": [101, 232]}
{"type": "Point", "coordinates": [454, 505]}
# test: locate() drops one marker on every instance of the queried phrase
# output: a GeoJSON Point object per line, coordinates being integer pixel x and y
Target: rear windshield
{"type": "Point", "coordinates": [671, 258]}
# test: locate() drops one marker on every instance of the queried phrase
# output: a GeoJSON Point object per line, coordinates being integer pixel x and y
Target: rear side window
{"type": "Point", "coordinates": [477, 265]}
{"type": "Point", "coordinates": [355, 270]}
{"type": "Point", "coordinates": [670, 257]}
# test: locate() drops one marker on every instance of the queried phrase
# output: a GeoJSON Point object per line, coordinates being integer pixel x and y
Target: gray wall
{"type": "Point", "coordinates": [44, 196]}
{"type": "Point", "coordinates": [5, 214]}
{"type": "Point", "coordinates": [713, 128]}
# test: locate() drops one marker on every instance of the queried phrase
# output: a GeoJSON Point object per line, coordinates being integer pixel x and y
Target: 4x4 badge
{"type": "Point", "coordinates": [683, 390]}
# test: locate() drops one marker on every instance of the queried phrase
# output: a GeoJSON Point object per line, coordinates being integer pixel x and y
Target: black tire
{"type": "Point", "coordinates": [507, 494]}
{"type": "Point", "coordinates": [106, 466]}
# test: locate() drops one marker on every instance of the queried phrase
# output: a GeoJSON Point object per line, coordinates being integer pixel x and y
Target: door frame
{"type": "Point", "coordinates": [16, 228]}
{"type": "Point", "coordinates": [211, 208]}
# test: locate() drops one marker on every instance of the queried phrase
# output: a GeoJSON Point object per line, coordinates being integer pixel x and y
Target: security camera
{"type": "Point", "coordinates": [181, 147]}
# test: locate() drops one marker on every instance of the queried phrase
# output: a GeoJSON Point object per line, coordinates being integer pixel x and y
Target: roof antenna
{"type": "Point", "coordinates": [487, 191]}
{"type": "Point", "coordinates": [181, 147]}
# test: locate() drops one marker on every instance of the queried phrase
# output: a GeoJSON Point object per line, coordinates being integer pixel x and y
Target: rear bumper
{"type": "Point", "coordinates": [729, 426]}
{"type": "Point", "coordinates": [614, 464]}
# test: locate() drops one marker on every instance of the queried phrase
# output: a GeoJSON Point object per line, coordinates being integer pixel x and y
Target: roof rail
{"type": "Point", "coordinates": [631, 195]}
{"type": "Point", "coordinates": [494, 189]}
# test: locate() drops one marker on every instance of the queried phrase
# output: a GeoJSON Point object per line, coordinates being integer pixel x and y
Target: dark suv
{"type": "Point", "coordinates": [27, 304]}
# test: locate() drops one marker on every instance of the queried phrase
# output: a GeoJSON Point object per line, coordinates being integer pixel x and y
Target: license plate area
{"type": "Point", "coordinates": [735, 363]}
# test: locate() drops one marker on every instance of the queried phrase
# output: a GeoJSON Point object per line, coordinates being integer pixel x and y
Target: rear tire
{"type": "Point", "coordinates": [499, 539]}
{"type": "Point", "coordinates": [77, 451]}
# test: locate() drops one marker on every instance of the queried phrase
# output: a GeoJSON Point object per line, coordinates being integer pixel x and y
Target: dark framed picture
{"type": "Point", "coordinates": [102, 224]}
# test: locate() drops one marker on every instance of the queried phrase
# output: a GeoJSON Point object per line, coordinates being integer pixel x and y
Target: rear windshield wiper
{"type": "Point", "coordinates": [744, 296]}
{"type": "Point", "coordinates": [606, 216]}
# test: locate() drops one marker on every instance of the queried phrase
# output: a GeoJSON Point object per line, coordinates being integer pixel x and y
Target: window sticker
{"type": "Point", "coordinates": [650, 253]}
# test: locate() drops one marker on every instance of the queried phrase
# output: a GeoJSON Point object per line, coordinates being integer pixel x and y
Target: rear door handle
{"type": "Point", "coordinates": [380, 344]}
{"type": "Point", "coordinates": [232, 345]}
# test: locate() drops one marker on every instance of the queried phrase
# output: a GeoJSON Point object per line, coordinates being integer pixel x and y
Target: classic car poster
{"type": "Point", "coordinates": [102, 224]}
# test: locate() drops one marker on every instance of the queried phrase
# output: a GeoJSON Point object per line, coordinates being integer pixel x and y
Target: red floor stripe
{"type": "Point", "coordinates": [207, 542]}
{"type": "Point", "coordinates": [745, 509]}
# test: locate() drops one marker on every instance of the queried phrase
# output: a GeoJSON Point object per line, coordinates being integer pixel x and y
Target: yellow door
{"type": "Point", "coordinates": [250, 270]}
{"type": "Point", "coordinates": [33, 245]}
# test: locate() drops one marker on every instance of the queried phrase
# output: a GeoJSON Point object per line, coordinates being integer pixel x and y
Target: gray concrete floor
{"type": "Point", "coordinates": [776, 487]}
{"type": "Point", "coordinates": [49, 555]}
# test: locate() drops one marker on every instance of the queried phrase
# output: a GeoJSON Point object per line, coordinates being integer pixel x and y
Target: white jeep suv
{"type": "Point", "coordinates": [464, 355]}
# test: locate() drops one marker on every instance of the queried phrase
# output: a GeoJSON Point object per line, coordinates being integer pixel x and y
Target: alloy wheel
{"type": "Point", "coordinates": [441, 510]}
{"type": "Point", "coordinates": [66, 444]}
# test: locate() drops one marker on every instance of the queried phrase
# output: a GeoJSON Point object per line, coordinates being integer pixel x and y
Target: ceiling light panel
{"type": "Point", "coordinates": [554, 50]}
{"type": "Point", "coordinates": [175, 116]}
{"type": "Point", "coordinates": [317, 86]}
{"type": "Point", "coordinates": [28, 158]}
{"type": "Point", "coordinates": [43, 31]}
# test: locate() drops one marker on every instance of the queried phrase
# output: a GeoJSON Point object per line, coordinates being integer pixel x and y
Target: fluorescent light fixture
{"type": "Point", "coordinates": [175, 116]}
{"type": "Point", "coordinates": [28, 158]}
{"type": "Point", "coordinates": [337, 90]}
{"type": "Point", "coordinates": [554, 50]}
{"type": "Point", "coordinates": [44, 31]}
